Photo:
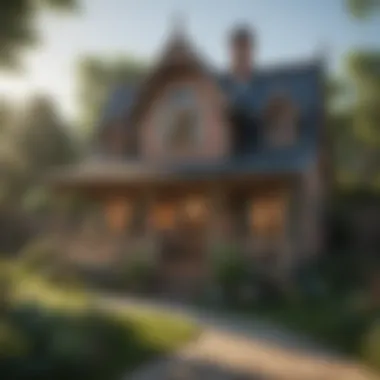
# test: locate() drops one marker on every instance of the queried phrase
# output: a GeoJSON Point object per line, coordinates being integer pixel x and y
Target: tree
{"type": "Point", "coordinates": [96, 79]}
{"type": "Point", "coordinates": [363, 67]}
{"type": "Point", "coordinates": [18, 29]}
{"type": "Point", "coordinates": [11, 165]}
{"type": "Point", "coordinates": [43, 137]}
{"type": "Point", "coordinates": [35, 140]}
{"type": "Point", "coordinates": [363, 8]}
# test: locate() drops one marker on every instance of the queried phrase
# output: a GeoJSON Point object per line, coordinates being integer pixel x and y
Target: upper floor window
{"type": "Point", "coordinates": [281, 121]}
{"type": "Point", "coordinates": [183, 127]}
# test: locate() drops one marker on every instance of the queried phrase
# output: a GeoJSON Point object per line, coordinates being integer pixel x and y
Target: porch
{"type": "Point", "coordinates": [180, 224]}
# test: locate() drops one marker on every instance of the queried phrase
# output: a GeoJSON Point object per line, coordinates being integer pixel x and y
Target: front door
{"type": "Point", "coordinates": [183, 250]}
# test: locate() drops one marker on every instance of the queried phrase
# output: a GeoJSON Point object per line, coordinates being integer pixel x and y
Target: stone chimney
{"type": "Point", "coordinates": [241, 52]}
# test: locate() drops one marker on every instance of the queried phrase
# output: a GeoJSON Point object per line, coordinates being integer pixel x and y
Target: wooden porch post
{"type": "Point", "coordinates": [149, 228]}
{"type": "Point", "coordinates": [310, 231]}
{"type": "Point", "coordinates": [217, 221]}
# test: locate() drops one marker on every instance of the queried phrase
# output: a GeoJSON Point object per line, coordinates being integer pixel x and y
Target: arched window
{"type": "Point", "coordinates": [183, 126]}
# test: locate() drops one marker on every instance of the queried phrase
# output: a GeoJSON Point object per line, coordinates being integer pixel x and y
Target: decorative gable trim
{"type": "Point", "coordinates": [178, 54]}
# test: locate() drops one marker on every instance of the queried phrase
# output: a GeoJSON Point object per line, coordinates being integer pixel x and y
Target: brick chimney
{"type": "Point", "coordinates": [241, 52]}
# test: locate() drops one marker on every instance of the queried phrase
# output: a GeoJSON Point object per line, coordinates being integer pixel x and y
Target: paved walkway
{"type": "Point", "coordinates": [232, 348]}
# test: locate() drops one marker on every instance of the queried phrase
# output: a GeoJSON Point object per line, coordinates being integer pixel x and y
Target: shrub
{"type": "Point", "coordinates": [230, 271]}
{"type": "Point", "coordinates": [41, 344]}
{"type": "Point", "coordinates": [42, 257]}
{"type": "Point", "coordinates": [12, 341]}
{"type": "Point", "coordinates": [138, 272]}
{"type": "Point", "coordinates": [371, 345]}
{"type": "Point", "coordinates": [38, 255]}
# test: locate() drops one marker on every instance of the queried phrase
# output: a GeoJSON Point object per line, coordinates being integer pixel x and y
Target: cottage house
{"type": "Point", "coordinates": [191, 158]}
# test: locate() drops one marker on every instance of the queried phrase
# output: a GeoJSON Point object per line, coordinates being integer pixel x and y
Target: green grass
{"type": "Point", "coordinates": [160, 330]}
{"type": "Point", "coordinates": [61, 324]}
{"type": "Point", "coordinates": [327, 321]}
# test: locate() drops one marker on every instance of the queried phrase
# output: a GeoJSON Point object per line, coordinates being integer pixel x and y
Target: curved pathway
{"type": "Point", "coordinates": [232, 348]}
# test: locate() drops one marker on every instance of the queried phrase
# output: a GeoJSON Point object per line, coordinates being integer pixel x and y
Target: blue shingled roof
{"type": "Point", "coordinates": [118, 103]}
{"type": "Point", "coordinates": [301, 83]}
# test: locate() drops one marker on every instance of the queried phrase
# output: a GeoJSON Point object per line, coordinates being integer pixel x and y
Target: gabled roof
{"type": "Point", "coordinates": [118, 104]}
{"type": "Point", "coordinates": [301, 81]}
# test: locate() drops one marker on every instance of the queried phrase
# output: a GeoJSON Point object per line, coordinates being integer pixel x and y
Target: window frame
{"type": "Point", "coordinates": [189, 102]}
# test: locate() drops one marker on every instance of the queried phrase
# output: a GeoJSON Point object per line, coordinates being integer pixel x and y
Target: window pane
{"type": "Point", "coordinates": [268, 216]}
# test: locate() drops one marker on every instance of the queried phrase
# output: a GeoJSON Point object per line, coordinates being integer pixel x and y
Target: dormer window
{"type": "Point", "coordinates": [183, 127]}
{"type": "Point", "coordinates": [281, 121]}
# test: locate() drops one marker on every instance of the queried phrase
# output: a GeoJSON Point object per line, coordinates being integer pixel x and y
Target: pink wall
{"type": "Point", "coordinates": [214, 142]}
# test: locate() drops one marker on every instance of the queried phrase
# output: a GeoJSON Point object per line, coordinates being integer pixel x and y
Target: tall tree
{"type": "Point", "coordinates": [11, 165]}
{"type": "Point", "coordinates": [44, 139]}
{"type": "Point", "coordinates": [364, 75]}
{"type": "Point", "coordinates": [18, 29]}
{"type": "Point", "coordinates": [39, 140]}
{"type": "Point", "coordinates": [363, 8]}
{"type": "Point", "coordinates": [97, 77]}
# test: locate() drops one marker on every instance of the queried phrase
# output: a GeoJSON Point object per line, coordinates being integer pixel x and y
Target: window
{"type": "Point", "coordinates": [182, 97]}
{"type": "Point", "coordinates": [183, 119]}
{"type": "Point", "coordinates": [194, 210]}
{"type": "Point", "coordinates": [268, 216]}
{"type": "Point", "coordinates": [281, 119]}
{"type": "Point", "coordinates": [183, 130]}
{"type": "Point", "coordinates": [164, 215]}
{"type": "Point", "coordinates": [118, 214]}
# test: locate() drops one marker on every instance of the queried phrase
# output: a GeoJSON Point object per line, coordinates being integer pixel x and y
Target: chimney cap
{"type": "Point", "coordinates": [243, 33]}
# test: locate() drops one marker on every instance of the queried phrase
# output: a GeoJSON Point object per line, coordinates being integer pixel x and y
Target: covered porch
{"type": "Point", "coordinates": [179, 221]}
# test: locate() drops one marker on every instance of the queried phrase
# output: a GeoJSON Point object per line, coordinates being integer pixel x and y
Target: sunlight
{"type": "Point", "coordinates": [15, 88]}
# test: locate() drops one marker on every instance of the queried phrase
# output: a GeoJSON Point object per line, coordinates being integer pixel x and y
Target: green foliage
{"type": "Point", "coordinates": [97, 77]}
{"type": "Point", "coordinates": [43, 137]}
{"type": "Point", "coordinates": [39, 340]}
{"type": "Point", "coordinates": [19, 31]}
{"type": "Point", "coordinates": [138, 272]}
{"type": "Point", "coordinates": [12, 341]}
{"type": "Point", "coordinates": [363, 8]}
{"type": "Point", "coordinates": [38, 255]}
{"type": "Point", "coordinates": [228, 265]}
{"type": "Point", "coordinates": [354, 129]}
{"type": "Point", "coordinates": [34, 140]}
{"type": "Point", "coordinates": [43, 259]}
{"type": "Point", "coordinates": [371, 345]}
{"type": "Point", "coordinates": [56, 345]}
{"type": "Point", "coordinates": [232, 273]}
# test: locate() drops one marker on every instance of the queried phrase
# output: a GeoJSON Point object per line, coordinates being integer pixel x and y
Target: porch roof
{"type": "Point", "coordinates": [276, 162]}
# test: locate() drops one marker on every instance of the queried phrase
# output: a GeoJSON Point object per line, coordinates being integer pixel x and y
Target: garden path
{"type": "Point", "coordinates": [234, 348]}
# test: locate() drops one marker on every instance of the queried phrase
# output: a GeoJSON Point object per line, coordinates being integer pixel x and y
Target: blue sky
{"type": "Point", "coordinates": [287, 30]}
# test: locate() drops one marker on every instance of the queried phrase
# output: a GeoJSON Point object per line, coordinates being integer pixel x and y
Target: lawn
{"type": "Point", "coordinates": [55, 332]}
{"type": "Point", "coordinates": [327, 321]}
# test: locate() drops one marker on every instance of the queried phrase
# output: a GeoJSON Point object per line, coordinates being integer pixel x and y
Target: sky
{"type": "Point", "coordinates": [287, 30]}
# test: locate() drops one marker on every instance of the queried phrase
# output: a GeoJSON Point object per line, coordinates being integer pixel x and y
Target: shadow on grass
{"type": "Point", "coordinates": [40, 343]}
{"type": "Point", "coordinates": [177, 369]}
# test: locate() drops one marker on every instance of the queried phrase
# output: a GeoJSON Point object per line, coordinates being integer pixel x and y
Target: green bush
{"type": "Point", "coordinates": [371, 346]}
{"type": "Point", "coordinates": [230, 271]}
{"type": "Point", "coordinates": [39, 255]}
{"type": "Point", "coordinates": [137, 273]}
{"type": "Point", "coordinates": [43, 258]}
{"type": "Point", "coordinates": [40, 344]}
